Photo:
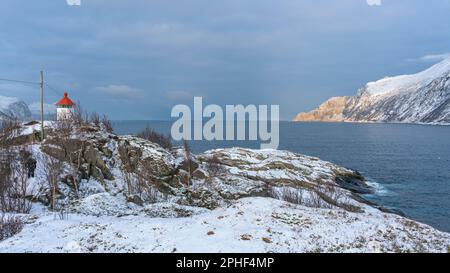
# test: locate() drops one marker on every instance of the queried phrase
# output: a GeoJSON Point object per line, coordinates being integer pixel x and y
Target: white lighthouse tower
{"type": "Point", "coordinates": [64, 108]}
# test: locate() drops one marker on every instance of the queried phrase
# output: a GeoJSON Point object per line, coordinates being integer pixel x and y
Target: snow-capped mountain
{"type": "Point", "coordinates": [419, 98]}
{"type": "Point", "coordinates": [13, 108]}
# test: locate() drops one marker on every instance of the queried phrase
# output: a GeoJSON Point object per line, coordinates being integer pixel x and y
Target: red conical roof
{"type": "Point", "coordinates": [65, 101]}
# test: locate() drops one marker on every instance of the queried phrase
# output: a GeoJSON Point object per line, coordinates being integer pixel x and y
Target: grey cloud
{"type": "Point", "coordinates": [120, 92]}
{"type": "Point", "coordinates": [431, 58]}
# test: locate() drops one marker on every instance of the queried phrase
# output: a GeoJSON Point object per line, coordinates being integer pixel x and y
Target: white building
{"type": "Point", "coordinates": [64, 108]}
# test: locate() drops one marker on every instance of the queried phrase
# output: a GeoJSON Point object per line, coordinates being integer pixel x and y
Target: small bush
{"type": "Point", "coordinates": [318, 197]}
{"type": "Point", "coordinates": [146, 185]}
{"type": "Point", "coordinates": [10, 226]}
{"type": "Point", "coordinates": [155, 137]}
{"type": "Point", "coordinates": [333, 197]}
{"type": "Point", "coordinates": [107, 125]}
{"type": "Point", "coordinates": [8, 130]}
{"type": "Point", "coordinates": [61, 213]}
{"type": "Point", "coordinates": [151, 195]}
{"type": "Point", "coordinates": [53, 168]}
{"type": "Point", "coordinates": [290, 195]}
{"type": "Point", "coordinates": [189, 163]}
{"type": "Point", "coordinates": [317, 201]}
{"type": "Point", "coordinates": [293, 196]}
{"type": "Point", "coordinates": [15, 169]}
{"type": "Point", "coordinates": [95, 119]}
{"type": "Point", "coordinates": [214, 167]}
{"type": "Point", "coordinates": [80, 117]}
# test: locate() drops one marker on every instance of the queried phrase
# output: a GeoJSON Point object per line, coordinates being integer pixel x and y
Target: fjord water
{"type": "Point", "coordinates": [409, 165]}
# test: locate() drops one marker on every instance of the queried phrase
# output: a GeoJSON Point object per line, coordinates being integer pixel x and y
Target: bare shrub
{"type": "Point", "coordinates": [95, 119]}
{"type": "Point", "coordinates": [151, 195]}
{"type": "Point", "coordinates": [139, 180]}
{"type": "Point", "coordinates": [15, 170]}
{"type": "Point", "coordinates": [297, 196]}
{"type": "Point", "coordinates": [291, 195]}
{"type": "Point", "coordinates": [107, 125]}
{"type": "Point", "coordinates": [8, 130]}
{"type": "Point", "coordinates": [61, 213]}
{"type": "Point", "coordinates": [53, 169]}
{"type": "Point", "coordinates": [336, 197]}
{"type": "Point", "coordinates": [9, 226]}
{"type": "Point", "coordinates": [73, 150]}
{"type": "Point", "coordinates": [147, 185]}
{"type": "Point", "coordinates": [141, 183]}
{"type": "Point", "coordinates": [189, 162]}
{"type": "Point", "coordinates": [64, 128]}
{"type": "Point", "coordinates": [5, 176]}
{"type": "Point", "coordinates": [23, 170]}
{"type": "Point", "coordinates": [155, 137]}
{"type": "Point", "coordinates": [127, 169]}
{"type": "Point", "coordinates": [128, 177]}
{"type": "Point", "coordinates": [330, 195]}
{"type": "Point", "coordinates": [146, 189]}
{"type": "Point", "coordinates": [214, 167]}
{"type": "Point", "coordinates": [351, 208]}
{"type": "Point", "coordinates": [80, 117]}
{"type": "Point", "coordinates": [327, 197]}
{"type": "Point", "coordinates": [315, 200]}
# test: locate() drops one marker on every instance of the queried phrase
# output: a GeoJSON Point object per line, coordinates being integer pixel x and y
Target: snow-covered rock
{"type": "Point", "coordinates": [13, 108]}
{"type": "Point", "coordinates": [419, 98]}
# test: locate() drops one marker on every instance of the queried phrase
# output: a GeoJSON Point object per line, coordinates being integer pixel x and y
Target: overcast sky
{"type": "Point", "coordinates": [136, 59]}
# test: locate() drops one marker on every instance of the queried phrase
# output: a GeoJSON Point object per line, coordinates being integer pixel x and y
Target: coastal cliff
{"type": "Point", "coordinates": [330, 111]}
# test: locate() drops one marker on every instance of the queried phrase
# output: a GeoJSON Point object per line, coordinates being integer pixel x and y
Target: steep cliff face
{"type": "Point", "coordinates": [330, 111]}
{"type": "Point", "coordinates": [420, 98]}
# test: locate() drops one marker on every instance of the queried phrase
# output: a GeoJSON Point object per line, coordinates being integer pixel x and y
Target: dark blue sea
{"type": "Point", "coordinates": [409, 165]}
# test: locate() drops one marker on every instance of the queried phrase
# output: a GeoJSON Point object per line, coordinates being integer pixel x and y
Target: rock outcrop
{"type": "Point", "coordinates": [330, 111]}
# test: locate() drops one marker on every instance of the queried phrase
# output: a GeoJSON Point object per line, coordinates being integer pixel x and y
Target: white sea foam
{"type": "Point", "coordinates": [380, 190]}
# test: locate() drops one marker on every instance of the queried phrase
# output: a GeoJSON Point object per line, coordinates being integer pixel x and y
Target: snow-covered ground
{"type": "Point", "coordinates": [248, 225]}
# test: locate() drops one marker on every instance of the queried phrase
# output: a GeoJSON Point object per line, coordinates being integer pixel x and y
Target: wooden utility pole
{"type": "Point", "coordinates": [42, 106]}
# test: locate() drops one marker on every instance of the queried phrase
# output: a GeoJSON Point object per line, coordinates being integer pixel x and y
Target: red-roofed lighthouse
{"type": "Point", "coordinates": [64, 108]}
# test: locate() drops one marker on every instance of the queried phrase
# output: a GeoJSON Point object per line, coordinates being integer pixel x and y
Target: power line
{"type": "Point", "coordinates": [18, 81]}
{"type": "Point", "coordinates": [29, 82]}
{"type": "Point", "coordinates": [54, 90]}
